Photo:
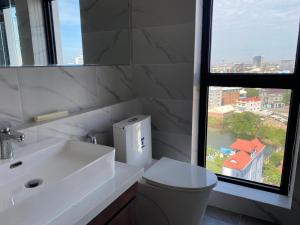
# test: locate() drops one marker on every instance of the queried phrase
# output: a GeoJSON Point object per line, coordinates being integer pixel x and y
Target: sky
{"type": "Point", "coordinates": [245, 28]}
{"type": "Point", "coordinates": [241, 30]}
{"type": "Point", "coordinates": [70, 28]}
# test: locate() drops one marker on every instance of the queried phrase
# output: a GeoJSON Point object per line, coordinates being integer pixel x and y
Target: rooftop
{"type": "Point", "coordinates": [247, 146]}
{"type": "Point", "coordinates": [222, 109]}
{"type": "Point", "coordinates": [238, 161]}
{"type": "Point", "coordinates": [250, 99]}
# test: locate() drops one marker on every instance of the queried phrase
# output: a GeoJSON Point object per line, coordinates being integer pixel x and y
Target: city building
{"type": "Point", "coordinates": [287, 65]}
{"type": "Point", "coordinates": [79, 60]}
{"type": "Point", "coordinates": [230, 95]}
{"type": "Point", "coordinates": [251, 104]}
{"type": "Point", "coordinates": [272, 98]}
{"type": "Point", "coordinates": [215, 97]}
{"type": "Point", "coordinates": [247, 162]}
{"type": "Point", "coordinates": [258, 61]}
{"type": "Point", "coordinates": [216, 115]}
{"type": "Point", "coordinates": [243, 93]}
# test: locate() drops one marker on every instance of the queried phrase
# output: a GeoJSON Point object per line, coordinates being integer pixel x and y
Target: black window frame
{"type": "Point", "coordinates": [49, 32]}
{"type": "Point", "coordinates": [249, 80]}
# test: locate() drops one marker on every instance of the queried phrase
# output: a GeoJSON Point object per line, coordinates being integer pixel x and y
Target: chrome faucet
{"type": "Point", "coordinates": [92, 138]}
{"type": "Point", "coordinates": [6, 137]}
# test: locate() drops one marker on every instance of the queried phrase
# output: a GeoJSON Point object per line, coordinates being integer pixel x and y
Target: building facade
{"type": "Point", "coordinates": [230, 95]}
{"type": "Point", "coordinates": [272, 98]}
{"type": "Point", "coordinates": [247, 161]}
{"type": "Point", "coordinates": [251, 104]}
{"type": "Point", "coordinates": [215, 97]}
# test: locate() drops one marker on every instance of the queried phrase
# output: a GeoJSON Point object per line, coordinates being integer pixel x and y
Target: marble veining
{"type": "Point", "coordinates": [106, 47]}
{"type": "Point", "coordinates": [10, 107]}
{"type": "Point", "coordinates": [77, 126]}
{"type": "Point", "coordinates": [170, 115]}
{"type": "Point", "coordinates": [163, 44]}
{"type": "Point", "coordinates": [87, 86]}
{"type": "Point", "coordinates": [157, 81]}
{"type": "Point", "coordinates": [167, 81]}
{"type": "Point", "coordinates": [153, 13]}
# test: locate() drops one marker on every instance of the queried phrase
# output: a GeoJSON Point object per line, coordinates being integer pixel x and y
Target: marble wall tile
{"type": "Point", "coordinates": [10, 102]}
{"type": "Point", "coordinates": [163, 12]}
{"type": "Point", "coordinates": [124, 110]}
{"type": "Point", "coordinates": [165, 44]}
{"type": "Point", "coordinates": [95, 15]}
{"type": "Point", "coordinates": [48, 89]}
{"type": "Point", "coordinates": [175, 146]}
{"type": "Point", "coordinates": [106, 47]}
{"type": "Point", "coordinates": [114, 83]}
{"type": "Point", "coordinates": [170, 81]}
{"type": "Point", "coordinates": [77, 126]}
{"type": "Point", "coordinates": [174, 116]}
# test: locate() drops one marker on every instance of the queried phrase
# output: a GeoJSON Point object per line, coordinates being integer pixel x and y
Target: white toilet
{"type": "Point", "coordinates": [171, 192]}
{"type": "Point", "coordinates": [174, 193]}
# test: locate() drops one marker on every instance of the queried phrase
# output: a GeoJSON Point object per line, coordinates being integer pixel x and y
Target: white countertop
{"type": "Point", "coordinates": [57, 209]}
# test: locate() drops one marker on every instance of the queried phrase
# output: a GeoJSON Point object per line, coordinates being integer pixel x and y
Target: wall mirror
{"type": "Point", "coordinates": [64, 32]}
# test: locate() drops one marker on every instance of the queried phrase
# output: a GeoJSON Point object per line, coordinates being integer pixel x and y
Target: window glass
{"type": "Point", "coordinates": [246, 132]}
{"type": "Point", "coordinates": [67, 29]}
{"type": "Point", "coordinates": [254, 36]}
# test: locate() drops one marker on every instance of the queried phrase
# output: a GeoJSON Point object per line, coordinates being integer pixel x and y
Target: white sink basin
{"type": "Point", "coordinates": [54, 166]}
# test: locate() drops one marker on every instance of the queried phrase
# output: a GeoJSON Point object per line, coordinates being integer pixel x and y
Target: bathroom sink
{"type": "Point", "coordinates": [54, 167]}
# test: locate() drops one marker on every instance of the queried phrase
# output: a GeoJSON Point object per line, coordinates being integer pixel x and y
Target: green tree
{"type": "Point", "coordinates": [276, 158]}
{"type": "Point", "coordinates": [286, 97]}
{"type": "Point", "coordinates": [243, 125]}
{"type": "Point", "coordinates": [271, 135]}
{"type": "Point", "coordinates": [252, 92]}
{"type": "Point", "coordinates": [214, 160]}
{"type": "Point", "coordinates": [271, 175]}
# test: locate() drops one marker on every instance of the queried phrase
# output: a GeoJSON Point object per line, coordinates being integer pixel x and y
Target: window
{"type": "Point", "coordinates": [254, 36]}
{"type": "Point", "coordinates": [67, 20]}
{"type": "Point", "coordinates": [249, 88]}
{"type": "Point", "coordinates": [10, 50]}
{"type": "Point", "coordinates": [63, 31]}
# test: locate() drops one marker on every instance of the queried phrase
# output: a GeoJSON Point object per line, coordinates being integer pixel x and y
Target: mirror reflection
{"type": "Point", "coordinates": [64, 32]}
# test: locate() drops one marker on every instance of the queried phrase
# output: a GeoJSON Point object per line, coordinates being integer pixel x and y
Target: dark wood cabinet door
{"type": "Point", "coordinates": [121, 211]}
{"type": "Point", "coordinates": [126, 216]}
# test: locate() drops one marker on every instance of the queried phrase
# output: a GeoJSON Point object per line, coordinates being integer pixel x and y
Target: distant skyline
{"type": "Point", "coordinates": [243, 29]}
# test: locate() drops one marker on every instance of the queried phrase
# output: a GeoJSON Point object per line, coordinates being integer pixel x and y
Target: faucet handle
{"type": "Point", "coordinates": [11, 134]}
{"type": "Point", "coordinates": [92, 138]}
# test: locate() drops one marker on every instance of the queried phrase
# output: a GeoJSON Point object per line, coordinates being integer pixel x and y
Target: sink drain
{"type": "Point", "coordinates": [33, 183]}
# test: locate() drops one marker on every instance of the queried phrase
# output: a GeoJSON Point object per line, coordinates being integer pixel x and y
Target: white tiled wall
{"type": "Point", "coordinates": [163, 70]}
{"type": "Point", "coordinates": [29, 91]}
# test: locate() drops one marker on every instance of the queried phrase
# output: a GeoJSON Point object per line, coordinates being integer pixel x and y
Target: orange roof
{"type": "Point", "coordinates": [238, 161]}
{"type": "Point", "coordinates": [250, 99]}
{"type": "Point", "coordinates": [248, 146]}
{"type": "Point", "coordinates": [244, 147]}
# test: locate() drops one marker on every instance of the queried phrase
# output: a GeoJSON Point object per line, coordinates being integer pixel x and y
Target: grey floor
{"type": "Point", "coordinates": [215, 216]}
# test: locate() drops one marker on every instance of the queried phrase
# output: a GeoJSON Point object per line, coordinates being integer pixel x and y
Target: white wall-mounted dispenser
{"type": "Point", "coordinates": [132, 141]}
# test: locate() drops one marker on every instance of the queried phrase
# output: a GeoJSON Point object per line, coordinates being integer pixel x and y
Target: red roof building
{"type": "Point", "coordinates": [244, 151]}
{"type": "Point", "coordinates": [238, 161]}
{"type": "Point", "coordinates": [250, 99]}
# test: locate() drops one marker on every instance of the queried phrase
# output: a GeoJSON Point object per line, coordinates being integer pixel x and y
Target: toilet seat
{"type": "Point", "coordinates": [173, 174]}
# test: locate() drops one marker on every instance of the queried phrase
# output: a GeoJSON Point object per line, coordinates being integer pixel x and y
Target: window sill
{"type": "Point", "coordinates": [274, 199]}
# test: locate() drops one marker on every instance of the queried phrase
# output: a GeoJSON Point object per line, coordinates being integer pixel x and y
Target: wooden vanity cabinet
{"type": "Point", "coordinates": [120, 212]}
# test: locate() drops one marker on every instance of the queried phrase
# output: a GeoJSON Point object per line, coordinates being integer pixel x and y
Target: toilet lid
{"type": "Point", "coordinates": [179, 175]}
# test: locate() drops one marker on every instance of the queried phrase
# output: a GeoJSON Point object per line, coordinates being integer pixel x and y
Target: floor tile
{"type": "Point", "coordinates": [222, 215]}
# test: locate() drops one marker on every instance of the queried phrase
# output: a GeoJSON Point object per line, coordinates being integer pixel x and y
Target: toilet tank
{"type": "Point", "coordinates": [132, 141]}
